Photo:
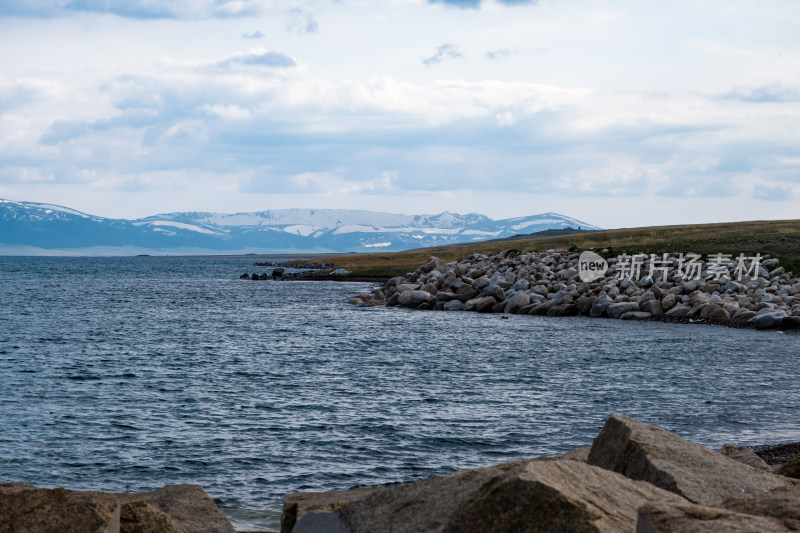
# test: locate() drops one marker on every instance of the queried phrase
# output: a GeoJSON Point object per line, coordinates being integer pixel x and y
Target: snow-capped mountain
{"type": "Point", "coordinates": [35, 228]}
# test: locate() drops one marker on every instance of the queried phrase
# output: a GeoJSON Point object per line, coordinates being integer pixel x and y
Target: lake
{"type": "Point", "coordinates": [127, 374]}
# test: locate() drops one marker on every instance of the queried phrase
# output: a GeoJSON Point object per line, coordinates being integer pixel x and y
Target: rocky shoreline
{"type": "Point", "coordinates": [633, 477]}
{"type": "Point", "coordinates": [724, 290]}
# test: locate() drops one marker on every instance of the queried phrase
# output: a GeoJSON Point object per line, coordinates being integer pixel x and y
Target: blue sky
{"type": "Point", "coordinates": [619, 113]}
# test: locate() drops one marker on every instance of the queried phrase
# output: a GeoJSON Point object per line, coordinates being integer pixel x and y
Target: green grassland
{"type": "Point", "coordinates": [779, 238]}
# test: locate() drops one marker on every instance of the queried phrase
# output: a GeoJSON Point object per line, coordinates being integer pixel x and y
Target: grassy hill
{"type": "Point", "coordinates": [778, 238]}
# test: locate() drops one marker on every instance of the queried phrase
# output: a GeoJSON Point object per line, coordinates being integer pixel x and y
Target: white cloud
{"type": "Point", "coordinates": [608, 112]}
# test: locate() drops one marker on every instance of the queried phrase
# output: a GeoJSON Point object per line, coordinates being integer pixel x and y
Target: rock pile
{"type": "Point", "coordinates": [550, 283]}
{"type": "Point", "coordinates": [636, 477]}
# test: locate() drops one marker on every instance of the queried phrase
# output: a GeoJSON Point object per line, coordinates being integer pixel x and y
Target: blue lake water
{"type": "Point", "coordinates": [127, 374]}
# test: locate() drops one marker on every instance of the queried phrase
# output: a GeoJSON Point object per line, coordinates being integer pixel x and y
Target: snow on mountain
{"type": "Point", "coordinates": [31, 225]}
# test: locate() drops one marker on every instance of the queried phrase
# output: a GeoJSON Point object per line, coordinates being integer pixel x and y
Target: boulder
{"type": "Point", "coordinates": [497, 292]}
{"type": "Point", "coordinates": [522, 496]}
{"type": "Point", "coordinates": [563, 310]}
{"type": "Point", "coordinates": [699, 474]}
{"type": "Point", "coordinates": [521, 285]}
{"type": "Point", "coordinates": [415, 298]}
{"type": "Point", "coordinates": [618, 309]}
{"type": "Point", "coordinates": [454, 305]}
{"type": "Point", "coordinates": [718, 313]}
{"type": "Point", "coordinates": [480, 305]}
{"type": "Point", "coordinates": [769, 320]}
{"type": "Point", "coordinates": [405, 287]}
{"type": "Point", "coordinates": [187, 505]}
{"type": "Point", "coordinates": [466, 293]}
{"type": "Point", "coordinates": [600, 306]}
{"type": "Point", "coordinates": [309, 506]}
{"type": "Point", "coordinates": [516, 302]}
{"type": "Point", "coordinates": [744, 314]}
{"type": "Point", "coordinates": [679, 310]}
{"type": "Point", "coordinates": [652, 306]}
{"type": "Point", "coordinates": [790, 469]}
{"type": "Point", "coordinates": [670, 517]}
{"type": "Point", "coordinates": [29, 509]}
{"type": "Point", "coordinates": [431, 264]}
{"type": "Point", "coordinates": [142, 517]}
{"type": "Point", "coordinates": [581, 454]}
{"type": "Point", "coordinates": [584, 304]}
{"type": "Point", "coordinates": [790, 322]}
{"type": "Point", "coordinates": [635, 315]}
{"type": "Point", "coordinates": [783, 503]}
{"type": "Point", "coordinates": [745, 455]}
{"type": "Point", "coordinates": [668, 302]}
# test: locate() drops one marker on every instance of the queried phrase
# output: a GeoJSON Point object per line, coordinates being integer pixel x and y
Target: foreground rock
{"type": "Point", "coordinates": [634, 477]}
{"type": "Point", "coordinates": [699, 474]}
{"type": "Point", "coordinates": [522, 496]}
{"type": "Point", "coordinates": [790, 469]}
{"type": "Point", "coordinates": [187, 505]}
{"type": "Point", "coordinates": [28, 509]}
{"type": "Point", "coordinates": [171, 509]}
{"type": "Point", "coordinates": [775, 512]}
{"type": "Point", "coordinates": [550, 283]}
{"type": "Point", "coordinates": [142, 517]}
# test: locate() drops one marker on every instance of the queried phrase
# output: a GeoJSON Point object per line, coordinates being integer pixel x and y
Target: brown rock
{"type": "Point", "coordinates": [141, 517]}
{"type": "Point", "coordinates": [28, 509]}
{"type": "Point", "coordinates": [701, 475]}
{"type": "Point", "coordinates": [522, 496]}
{"type": "Point", "coordinates": [581, 454]}
{"type": "Point", "coordinates": [671, 517]}
{"type": "Point", "coordinates": [783, 503]}
{"type": "Point", "coordinates": [187, 505]}
{"type": "Point", "coordinates": [790, 469]}
{"type": "Point", "coordinates": [746, 456]}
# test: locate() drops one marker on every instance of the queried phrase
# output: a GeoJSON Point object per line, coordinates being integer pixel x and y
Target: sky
{"type": "Point", "coordinates": [620, 113]}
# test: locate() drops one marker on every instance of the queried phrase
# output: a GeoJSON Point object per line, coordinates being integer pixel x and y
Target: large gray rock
{"type": "Point", "coordinates": [432, 263]}
{"type": "Point", "coordinates": [516, 302]}
{"type": "Point", "coordinates": [187, 505]}
{"type": "Point", "coordinates": [28, 509]}
{"type": "Point", "coordinates": [522, 496]}
{"type": "Point", "coordinates": [481, 305]}
{"type": "Point", "coordinates": [769, 320]}
{"type": "Point", "coordinates": [679, 310]}
{"type": "Point", "coordinates": [652, 306]}
{"type": "Point", "coordinates": [405, 287]}
{"type": "Point", "coordinates": [497, 292]}
{"type": "Point", "coordinates": [600, 306]}
{"type": "Point", "coordinates": [619, 309]}
{"type": "Point", "coordinates": [699, 474]}
{"type": "Point", "coordinates": [415, 298]}
{"type": "Point", "coordinates": [454, 305]}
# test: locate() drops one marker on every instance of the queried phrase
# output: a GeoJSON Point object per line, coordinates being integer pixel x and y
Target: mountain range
{"type": "Point", "coordinates": [30, 228]}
